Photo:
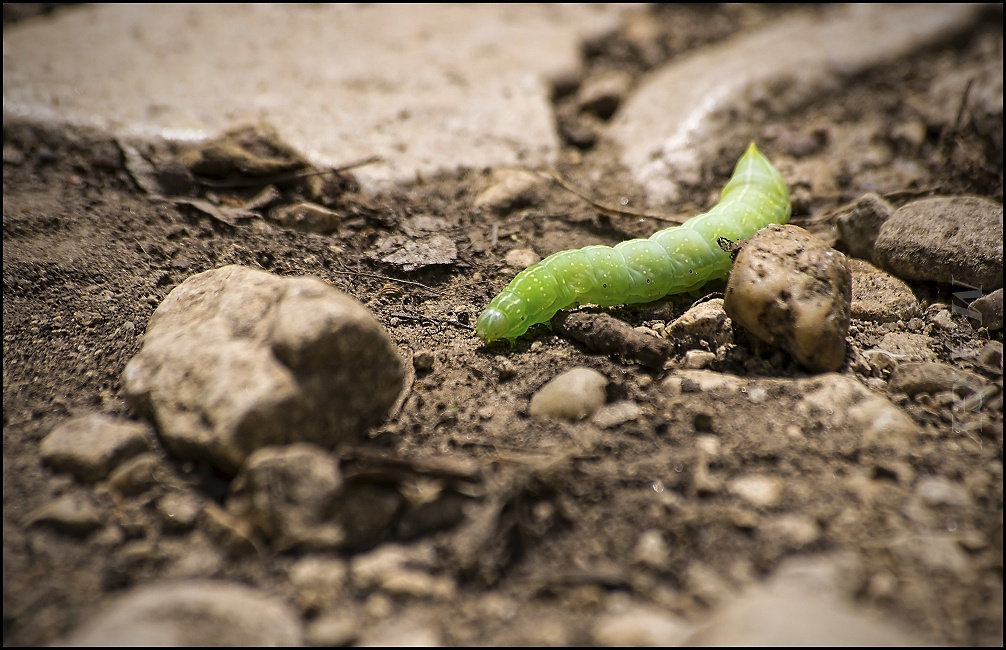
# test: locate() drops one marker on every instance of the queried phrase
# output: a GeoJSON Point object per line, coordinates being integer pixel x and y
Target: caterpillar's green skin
{"type": "Point", "coordinates": [673, 260]}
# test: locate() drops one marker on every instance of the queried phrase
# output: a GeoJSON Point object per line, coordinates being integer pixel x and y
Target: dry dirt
{"type": "Point", "coordinates": [88, 256]}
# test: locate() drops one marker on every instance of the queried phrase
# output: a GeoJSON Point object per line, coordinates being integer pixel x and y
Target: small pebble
{"type": "Point", "coordinates": [521, 258]}
{"type": "Point", "coordinates": [510, 189]}
{"type": "Point", "coordinates": [71, 513]}
{"type": "Point", "coordinates": [698, 359]}
{"type": "Point", "coordinates": [651, 550]}
{"type": "Point", "coordinates": [90, 446]}
{"type": "Point", "coordinates": [423, 360]}
{"type": "Point", "coordinates": [179, 510]}
{"type": "Point", "coordinates": [573, 395]}
{"type": "Point", "coordinates": [757, 490]}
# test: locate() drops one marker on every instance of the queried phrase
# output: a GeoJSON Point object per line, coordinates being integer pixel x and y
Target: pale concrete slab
{"type": "Point", "coordinates": [663, 126]}
{"type": "Point", "coordinates": [428, 87]}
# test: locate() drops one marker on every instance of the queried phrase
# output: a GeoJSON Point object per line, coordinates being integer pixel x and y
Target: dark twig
{"type": "Point", "coordinates": [386, 278]}
{"type": "Point", "coordinates": [431, 319]}
{"type": "Point", "coordinates": [606, 208]}
{"type": "Point", "coordinates": [237, 183]}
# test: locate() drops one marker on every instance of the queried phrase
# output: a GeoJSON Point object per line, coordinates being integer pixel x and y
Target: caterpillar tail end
{"type": "Point", "coordinates": [491, 325]}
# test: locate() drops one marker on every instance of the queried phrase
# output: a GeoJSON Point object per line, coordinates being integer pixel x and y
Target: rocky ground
{"type": "Point", "coordinates": [265, 460]}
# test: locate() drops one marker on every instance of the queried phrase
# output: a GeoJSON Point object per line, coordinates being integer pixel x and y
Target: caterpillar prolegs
{"type": "Point", "coordinates": [673, 260]}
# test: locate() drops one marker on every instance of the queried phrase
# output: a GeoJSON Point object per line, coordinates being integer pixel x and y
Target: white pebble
{"type": "Point", "coordinates": [573, 395]}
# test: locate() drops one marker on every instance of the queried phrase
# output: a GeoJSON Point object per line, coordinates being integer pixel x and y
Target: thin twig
{"type": "Point", "coordinates": [961, 109]}
{"type": "Point", "coordinates": [378, 276]}
{"type": "Point", "coordinates": [964, 104]}
{"type": "Point", "coordinates": [443, 321]}
{"type": "Point", "coordinates": [892, 195]}
{"type": "Point", "coordinates": [606, 208]}
{"type": "Point", "coordinates": [410, 379]}
{"type": "Point", "coordinates": [235, 183]}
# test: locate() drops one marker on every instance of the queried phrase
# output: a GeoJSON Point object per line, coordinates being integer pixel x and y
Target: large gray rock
{"type": "Point", "coordinates": [949, 239]}
{"type": "Point", "coordinates": [192, 613]}
{"type": "Point", "coordinates": [236, 359]}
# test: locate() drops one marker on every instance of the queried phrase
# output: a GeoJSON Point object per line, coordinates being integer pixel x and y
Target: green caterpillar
{"type": "Point", "coordinates": [674, 260]}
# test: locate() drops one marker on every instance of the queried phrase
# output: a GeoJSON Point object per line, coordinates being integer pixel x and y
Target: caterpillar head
{"type": "Point", "coordinates": [492, 325]}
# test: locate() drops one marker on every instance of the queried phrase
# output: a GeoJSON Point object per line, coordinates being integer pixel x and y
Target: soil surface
{"type": "Point", "coordinates": [88, 256]}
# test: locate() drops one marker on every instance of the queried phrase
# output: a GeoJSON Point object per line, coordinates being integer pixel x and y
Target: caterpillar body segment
{"type": "Point", "coordinates": [673, 260]}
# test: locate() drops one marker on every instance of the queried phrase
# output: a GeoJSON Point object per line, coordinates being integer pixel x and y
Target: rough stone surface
{"type": "Point", "coordinates": [90, 446]}
{"type": "Point", "coordinates": [881, 424]}
{"type": "Point", "coordinates": [906, 346]}
{"type": "Point", "coordinates": [236, 359]}
{"type": "Point", "coordinates": [859, 227]}
{"type": "Point", "coordinates": [663, 126]}
{"type": "Point", "coordinates": [411, 253]}
{"type": "Point", "coordinates": [573, 395]}
{"type": "Point", "coordinates": [639, 625]}
{"type": "Point", "coordinates": [480, 99]}
{"type": "Point", "coordinates": [787, 616]}
{"type": "Point", "coordinates": [791, 289]}
{"type": "Point", "coordinates": [879, 297]}
{"type": "Point", "coordinates": [192, 613]}
{"type": "Point", "coordinates": [288, 494]}
{"type": "Point", "coordinates": [704, 322]}
{"type": "Point", "coordinates": [949, 239]}
{"type": "Point", "coordinates": [933, 377]}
